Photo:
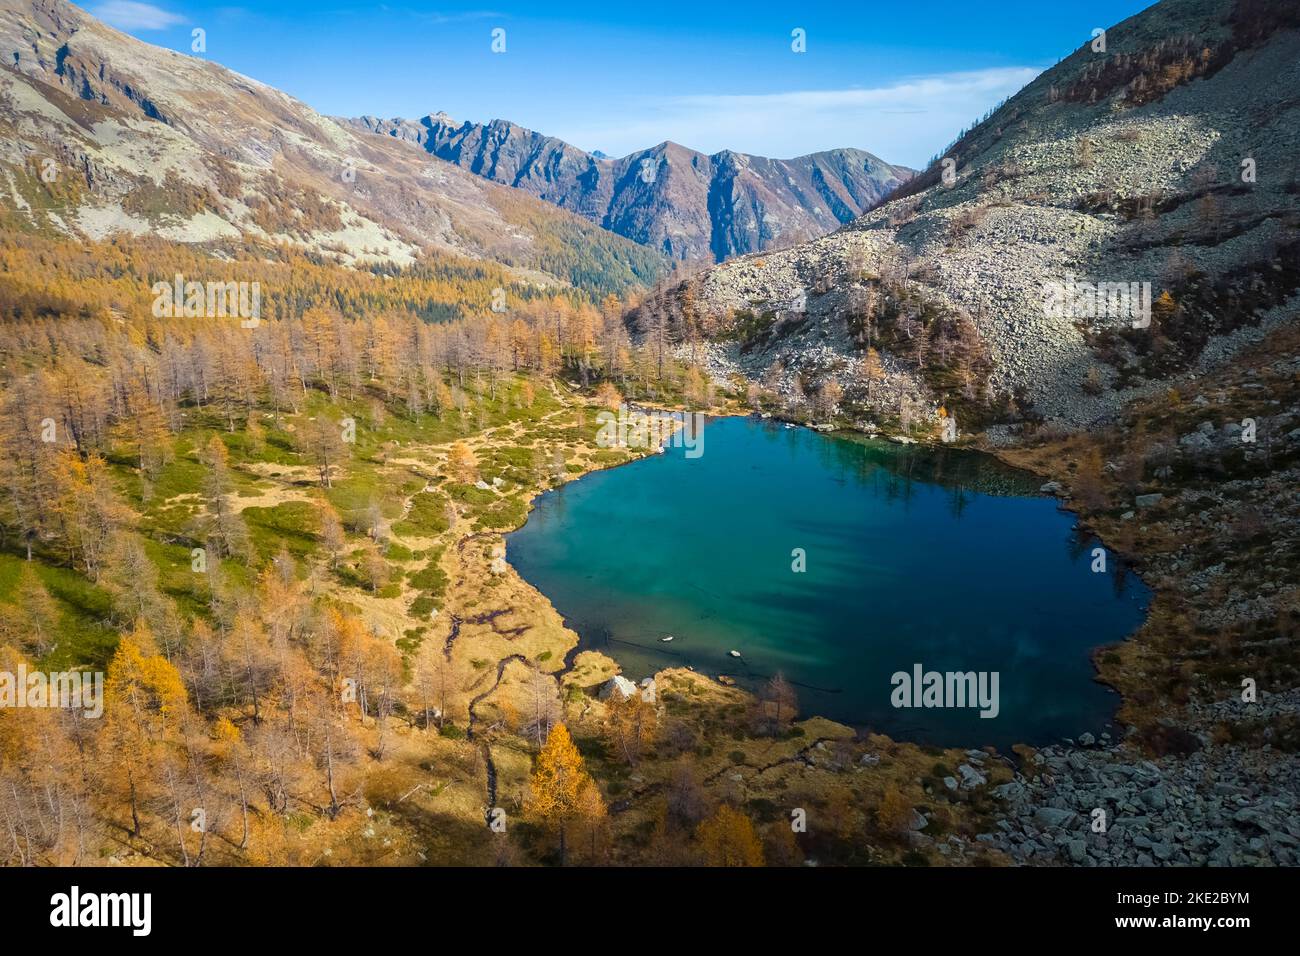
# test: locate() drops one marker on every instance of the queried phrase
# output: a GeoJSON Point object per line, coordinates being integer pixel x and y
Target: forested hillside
{"type": "Point", "coordinates": [282, 544]}
{"type": "Point", "coordinates": [102, 135]}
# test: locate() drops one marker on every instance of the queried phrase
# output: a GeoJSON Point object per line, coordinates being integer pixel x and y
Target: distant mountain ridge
{"type": "Point", "coordinates": [683, 203]}
{"type": "Point", "coordinates": [103, 134]}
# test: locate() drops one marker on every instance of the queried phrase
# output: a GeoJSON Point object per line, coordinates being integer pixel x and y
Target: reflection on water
{"type": "Point", "coordinates": [930, 556]}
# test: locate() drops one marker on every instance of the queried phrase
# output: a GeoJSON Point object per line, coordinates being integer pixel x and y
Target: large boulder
{"type": "Point", "coordinates": [970, 777]}
{"type": "Point", "coordinates": [618, 687]}
{"type": "Point", "coordinates": [1048, 817]}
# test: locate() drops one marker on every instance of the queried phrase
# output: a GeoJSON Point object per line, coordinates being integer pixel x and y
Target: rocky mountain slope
{"type": "Point", "coordinates": [101, 133]}
{"type": "Point", "coordinates": [1169, 158]}
{"type": "Point", "coordinates": [673, 199]}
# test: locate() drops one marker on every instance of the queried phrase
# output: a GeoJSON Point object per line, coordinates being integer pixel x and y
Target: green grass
{"type": "Point", "coordinates": [430, 578]}
{"type": "Point", "coordinates": [432, 582]}
{"type": "Point", "coordinates": [291, 525]}
{"type": "Point", "coordinates": [427, 517]}
{"type": "Point", "coordinates": [610, 456]}
{"type": "Point", "coordinates": [170, 505]}
{"type": "Point", "coordinates": [421, 606]}
{"type": "Point", "coordinates": [353, 496]}
{"type": "Point", "coordinates": [277, 445]}
{"type": "Point", "coordinates": [83, 635]}
{"type": "Point", "coordinates": [182, 476]}
{"type": "Point", "coordinates": [505, 514]}
{"type": "Point", "coordinates": [476, 498]}
{"type": "Point", "coordinates": [399, 552]}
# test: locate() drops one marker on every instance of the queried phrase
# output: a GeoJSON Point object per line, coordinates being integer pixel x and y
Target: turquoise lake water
{"type": "Point", "coordinates": [937, 557]}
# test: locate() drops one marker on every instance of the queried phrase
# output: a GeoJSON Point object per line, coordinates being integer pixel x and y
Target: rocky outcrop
{"type": "Point", "coordinates": [681, 202]}
{"type": "Point", "coordinates": [1226, 806]}
{"type": "Point", "coordinates": [1140, 164]}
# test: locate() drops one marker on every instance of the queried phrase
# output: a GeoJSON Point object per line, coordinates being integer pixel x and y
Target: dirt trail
{"type": "Point", "coordinates": [491, 770]}
{"type": "Point", "coordinates": [489, 765]}
{"type": "Point", "coordinates": [501, 669]}
{"type": "Point", "coordinates": [800, 757]}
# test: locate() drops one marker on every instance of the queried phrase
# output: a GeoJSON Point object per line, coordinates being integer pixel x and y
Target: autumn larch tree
{"type": "Point", "coordinates": [332, 538]}
{"type": "Point", "coordinates": [144, 704]}
{"type": "Point", "coordinates": [44, 808]}
{"type": "Point", "coordinates": [631, 726]}
{"type": "Point", "coordinates": [607, 396]}
{"type": "Point", "coordinates": [543, 706]}
{"type": "Point", "coordinates": [557, 788]}
{"type": "Point", "coordinates": [461, 463]}
{"type": "Point", "coordinates": [32, 622]}
{"type": "Point", "coordinates": [728, 839]}
{"type": "Point", "coordinates": [231, 751]}
{"type": "Point", "coordinates": [226, 530]}
{"type": "Point", "coordinates": [593, 821]}
{"type": "Point", "coordinates": [777, 705]}
{"type": "Point", "coordinates": [374, 569]}
{"type": "Point", "coordinates": [322, 444]}
{"type": "Point", "coordinates": [872, 370]}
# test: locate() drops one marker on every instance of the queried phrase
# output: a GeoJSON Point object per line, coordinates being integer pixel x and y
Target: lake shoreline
{"type": "Point", "coordinates": [662, 658]}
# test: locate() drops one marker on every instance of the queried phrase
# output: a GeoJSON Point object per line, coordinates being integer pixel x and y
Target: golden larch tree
{"type": "Point", "coordinates": [728, 839]}
{"type": "Point", "coordinates": [462, 464]}
{"type": "Point", "coordinates": [144, 706]}
{"type": "Point", "coordinates": [558, 785]}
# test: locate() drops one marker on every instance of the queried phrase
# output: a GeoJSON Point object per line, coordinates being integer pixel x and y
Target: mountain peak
{"type": "Point", "coordinates": [703, 207]}
{"type": "Point", "coordinates": [147, 141]}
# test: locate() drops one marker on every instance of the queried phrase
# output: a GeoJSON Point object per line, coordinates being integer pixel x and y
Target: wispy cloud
{"type": "Point", "coordinates": [438, 18]}
{"type": "Point", "coordinates": [130, 15]}
{"type": "Point", "coordinates": [904, 122]}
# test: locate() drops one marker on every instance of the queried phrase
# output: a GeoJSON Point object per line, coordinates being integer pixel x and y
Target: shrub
{"type": "Point", "coordinates": [1162, 740]}
{"type": "Point", "coordinates": [967, 217]}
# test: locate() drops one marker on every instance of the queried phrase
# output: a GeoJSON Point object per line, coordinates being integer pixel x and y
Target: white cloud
{"type": "Point", "coordinates": [441, 18]}
{"type": "Point", "coordinates": [130, 15]}
{"type": "Point", "coordinates": [905, 122]}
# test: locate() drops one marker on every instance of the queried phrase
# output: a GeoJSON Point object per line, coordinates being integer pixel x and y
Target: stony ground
{"type": "Point", "coordinates": [1221, 806]}
{"type": "Point", "coordinates": [1212, 523]}
{"type": "Point", "coordinates": [1033, 202]}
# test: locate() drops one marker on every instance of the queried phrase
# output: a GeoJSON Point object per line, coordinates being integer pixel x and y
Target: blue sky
{"type": "Point", "coordinates": [899, 79]}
